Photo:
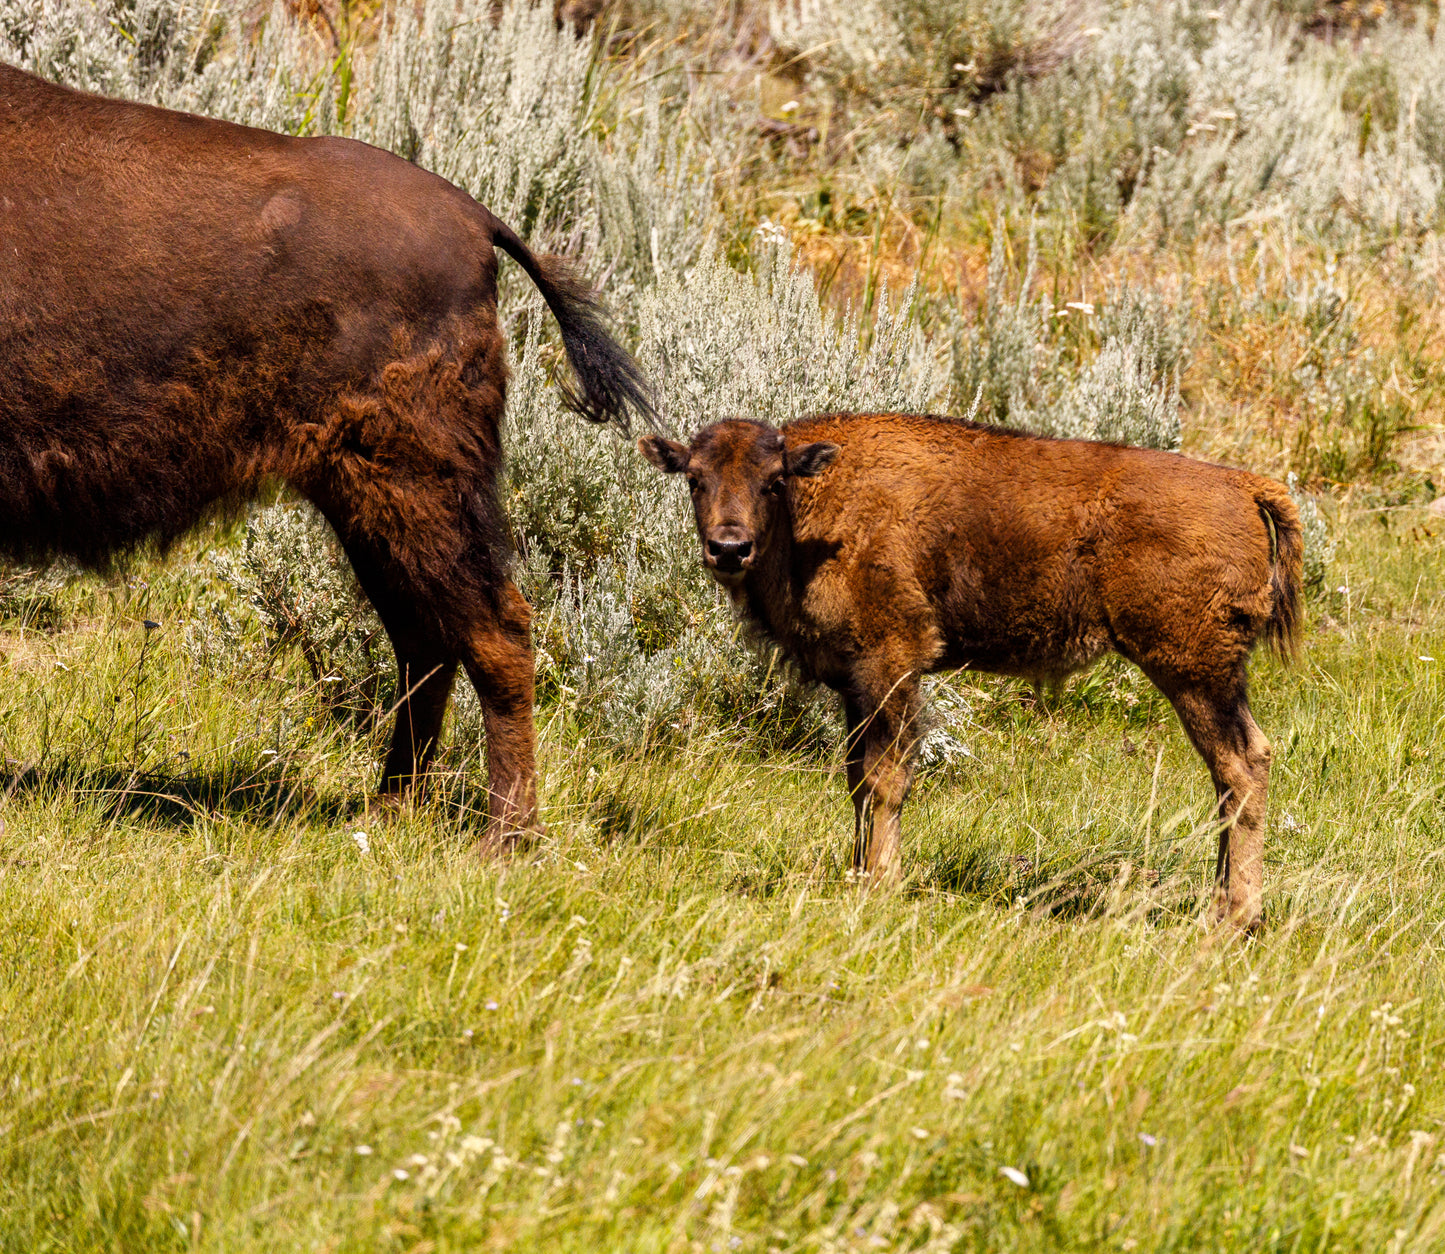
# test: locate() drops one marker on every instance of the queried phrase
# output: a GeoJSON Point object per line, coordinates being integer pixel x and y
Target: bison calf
{"type": "Point", "coordinates": [190, 310]}
{"type": "Point", "coordinates": [877, 548]}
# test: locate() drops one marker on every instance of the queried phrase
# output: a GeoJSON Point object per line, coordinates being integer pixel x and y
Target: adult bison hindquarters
{"type": "Point", "coordinates": [875, 548]}
{"type": "Point", "coordinates": [190, 309]}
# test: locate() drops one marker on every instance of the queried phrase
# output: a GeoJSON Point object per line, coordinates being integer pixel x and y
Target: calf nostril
{"type": "Point", "coordinates": [730, 548]}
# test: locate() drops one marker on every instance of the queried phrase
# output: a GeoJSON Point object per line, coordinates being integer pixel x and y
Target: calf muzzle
{"type": "Point", "coordinates": [728, 552]}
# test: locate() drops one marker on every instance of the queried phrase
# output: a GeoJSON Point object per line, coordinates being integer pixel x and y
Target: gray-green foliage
{"type": "Point", "coordinates": [639, 634]}
{"type": "Point", "coordinates": [289, 577]}
{"type": "Point", "coordinates": [1011, 365]}
{"type": "Point", "coordinates": [632, 637]}
{"type": "Point", "coordinates": [725, 345]}
{"type": "Point", "coordinates": [1319, 542]}
{"type": "Point", "coordinates": [912, 52]}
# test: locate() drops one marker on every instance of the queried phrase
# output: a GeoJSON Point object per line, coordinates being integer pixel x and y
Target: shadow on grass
{"type": "Point", "coordinates": [260, 794]}
{"type": "Point", "coordinates": [1107, 882]}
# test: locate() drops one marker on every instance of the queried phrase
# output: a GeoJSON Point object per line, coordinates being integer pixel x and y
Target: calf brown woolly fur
{"type": "Point", "coordinates": [878, 548]}
{"type": "Point", "coordinates": [190, 309]}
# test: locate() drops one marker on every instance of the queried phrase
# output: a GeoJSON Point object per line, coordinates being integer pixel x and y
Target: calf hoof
{"type": "Point", "coordinates": [508, 838]}
{"type": "Point", "coordinates": [876, 879]}
{"type": "Point", "coordinates": [386, 803]}
{"type": "Point", "coordinates": [1244, 917]}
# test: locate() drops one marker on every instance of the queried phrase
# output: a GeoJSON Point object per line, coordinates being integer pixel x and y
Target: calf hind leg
{"type": "Point", "coordinates": [1223, 730]}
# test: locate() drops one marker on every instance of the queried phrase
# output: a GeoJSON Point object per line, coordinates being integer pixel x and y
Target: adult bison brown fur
{"type": "Point", "coordinates": [876, 548]}
{"type": "Point", "coordinates": [190, 310]}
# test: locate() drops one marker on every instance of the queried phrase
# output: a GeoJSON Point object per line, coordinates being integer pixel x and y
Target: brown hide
{"type": "Point", "coordinates": [876, 548]}
{"type": "Point", "coordinates": [189, 309]}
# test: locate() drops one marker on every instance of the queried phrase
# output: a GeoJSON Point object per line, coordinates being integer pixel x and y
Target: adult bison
{"type": "Point", "coordinates": [935, 543]}
{"type": "Point", "coordinates": [191, 309]}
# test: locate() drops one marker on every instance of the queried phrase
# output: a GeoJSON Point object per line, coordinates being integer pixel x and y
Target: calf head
{"type": "Point", "coordinates": [737, 472]}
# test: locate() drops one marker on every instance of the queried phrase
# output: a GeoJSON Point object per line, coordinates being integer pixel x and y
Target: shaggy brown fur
{"type": "Point", "coordinates": [876, 548]}
{"type": "Point", "coordinates": [189, 309]}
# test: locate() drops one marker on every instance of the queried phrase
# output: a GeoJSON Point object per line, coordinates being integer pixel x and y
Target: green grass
{"type": "Point", "coordinates": [673, 1024]}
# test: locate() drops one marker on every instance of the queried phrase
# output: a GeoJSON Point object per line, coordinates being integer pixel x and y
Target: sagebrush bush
{"type": "Point", "coordinates": [1122, 119]}
{"type": "Point", "coordinates": [289, 577]}
{"type": "Point", "coordinates": [1014, 366]}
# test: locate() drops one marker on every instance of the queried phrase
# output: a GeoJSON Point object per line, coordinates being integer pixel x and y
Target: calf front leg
{"type": "Point", "coordinates": [882, 739]}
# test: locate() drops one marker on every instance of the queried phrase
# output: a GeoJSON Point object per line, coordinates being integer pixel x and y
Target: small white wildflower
{"type": "Point", "coordinates": [1299, 1151]}
{"type": "Point", "coordinates": [491, 1005]}
{"type": "Point", "coordinates": [401, 1173]}
{"type": "Point", "coordinates": [363, 841]}
{"type": "Point", "coordinates": [919, 1134]}
{"type": "Point", "coordinates": [362, 1150]}
{"type": "Point", "coordinates": [1014, 1175]}
{"type": "Point", "coordinates": [460, 948]}
{"type": "Point", "coordinates": [797, 1160]}
{"type": "Point", "coordinates": [1149, 1138]}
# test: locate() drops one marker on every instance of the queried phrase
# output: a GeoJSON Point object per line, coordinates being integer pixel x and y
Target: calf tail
{"type": "Point", "coordinates": [1286, 567]}
{"type": "Point", "coordinates": [609, 383]}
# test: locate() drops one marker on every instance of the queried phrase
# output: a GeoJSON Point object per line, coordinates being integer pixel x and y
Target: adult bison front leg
{"type": "Point", "coordinates": [425, 671]}
{"type": "Point", "coordinates": [882, 718]}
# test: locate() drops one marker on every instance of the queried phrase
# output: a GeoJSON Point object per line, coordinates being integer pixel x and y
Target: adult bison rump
{"type": "Point", "coordinates": [875, 548]}
{"type": "Point", "coordinates": [189, 309]}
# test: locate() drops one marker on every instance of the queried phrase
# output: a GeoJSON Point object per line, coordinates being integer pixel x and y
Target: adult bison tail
{"type": "Point", "coordinates": [1286, 567]}
{"type": "Point", "coordinates": [609, 383]}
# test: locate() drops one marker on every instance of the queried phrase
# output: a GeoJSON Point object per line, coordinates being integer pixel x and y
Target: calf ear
{"type": "Point", "coordinates": [810, 460]}
{"type": "Point", "coordinates": [669, 457]}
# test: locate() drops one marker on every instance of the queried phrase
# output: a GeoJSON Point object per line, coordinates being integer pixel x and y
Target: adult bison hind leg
{"type": "Point", "coordinates": [497, 653]}
{"type": "Point", "coordinates": [406, 471]}
{"type": "Point", "coordinates": [487, 629]}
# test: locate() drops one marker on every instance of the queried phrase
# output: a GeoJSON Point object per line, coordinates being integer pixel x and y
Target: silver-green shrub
{"type": "Point", "coordinates": [724, 345]}
{"type": "Point", "coordinates": [290, 575]}
{"type": "Point", "coordinates": [631, 632]}
{"type": "Point", "coordinates": [1011, 367]}
{"type": "Point", "coordinates": [1319, 542]}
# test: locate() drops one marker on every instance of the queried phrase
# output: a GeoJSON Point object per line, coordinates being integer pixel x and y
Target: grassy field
{"type": "Point", "coordinates": [240, 1010]}
{"type": "Point", "coordinates": [231, 1022]}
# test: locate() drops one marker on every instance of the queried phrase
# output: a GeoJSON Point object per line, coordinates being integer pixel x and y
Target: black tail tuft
{"type": "Point", "coordinates": [1281, 520]}
{"type": "Point", "coordinates": [609, 384]}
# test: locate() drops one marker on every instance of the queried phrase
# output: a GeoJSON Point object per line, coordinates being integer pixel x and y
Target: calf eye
{"type": "Point", "coordinates": [692, 484]}
{"type": "Point", "coordinates": [777, 487]}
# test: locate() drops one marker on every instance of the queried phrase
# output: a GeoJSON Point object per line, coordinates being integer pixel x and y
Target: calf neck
{"type": "Point", "coordinates": [878, 548]}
